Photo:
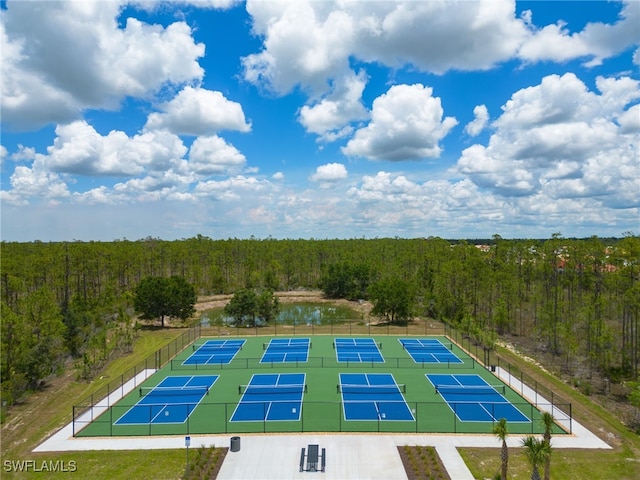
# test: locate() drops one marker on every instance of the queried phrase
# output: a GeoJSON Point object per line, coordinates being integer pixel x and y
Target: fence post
{"type": "Point", "coordinates": [570, 420]}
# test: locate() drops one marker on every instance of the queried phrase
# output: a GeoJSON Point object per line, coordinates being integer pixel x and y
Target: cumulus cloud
{"type": "Point", "coordinates": [312, 45]}
{"type": "Point", "coordinates": [329, 117]}
{"type": "Point", "coordinates": [79, 149]}
{"type": "Point", "coordinates": [307, 42]}
{"type": "Point", "coordinates": [564, 141]}
{"type": "Point", "coordinates": [406, 124]}
{"type": "Point", "coordinates": [197, 111]}
{"type": "Point", "coordinates": [595, 42]}
{"type": "Point", "coordinates": [60, 58]}
{"type": "Point", "coordinates": [213, 155]}
{"type": "Point", "coordinates": [629, 120]}
{"type": "Point", "coordinates": [474, 127]}
{"type": "Point", "coordinates": [329, 173]}
{"type": "Point", "coordinates": [33, 183]}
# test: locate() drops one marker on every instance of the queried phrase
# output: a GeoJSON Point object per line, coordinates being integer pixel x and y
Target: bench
{"type": "Point", "coordinates": [312, 456]}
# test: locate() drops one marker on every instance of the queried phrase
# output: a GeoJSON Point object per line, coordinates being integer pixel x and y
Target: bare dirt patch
{"type": "Point", "coordinates": [296, 296]}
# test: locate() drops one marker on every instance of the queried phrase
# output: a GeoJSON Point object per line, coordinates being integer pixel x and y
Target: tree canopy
{"type": "Point", "coordinates": [392, 300]}
{"type": "Point", "coordinates": [158, 297]}
{"type": "Point", "coordinates": [246, 305]}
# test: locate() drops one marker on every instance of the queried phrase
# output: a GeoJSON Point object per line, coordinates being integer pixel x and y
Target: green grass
{"type": "Point", "coordinates": [125, 465]}
{"type": "Point", "coordinates": [44, 412]}
{"type": "Point", "coordinates": [322, 409]}
{"type": "Point", "coordinates": [622, 462]}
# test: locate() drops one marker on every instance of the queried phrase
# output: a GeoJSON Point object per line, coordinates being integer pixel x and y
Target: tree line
{"type": "Point", "coordinates": [580, 298]}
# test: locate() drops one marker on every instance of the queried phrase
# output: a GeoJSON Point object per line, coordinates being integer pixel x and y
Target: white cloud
{"type": "Point", "coordinates": [474, 127]}
{"type": "Point", "coordinates": [311, 45]}
{"type": "Point", "coordinates": [232, 189]}
{"type": "Point", "coordinates": [597, 41]}
{"type": "Point", "coordinates": [60, 58]}
{"type": "Point", "coordinates": [329, 173]}
{"type": "Point", "coordinates": [330, 115]}
{"type": "Point", "coordinates": [629, 120]}
{"type": "Point", "coordinates": [217, 4]}
{"type": "Point", "coordinates": [560, 140]}
{"type": "Point", "coordinates": [307, 42]}
{"type": "Point", "coordinates": [197, 111]}
{"type": "Point", "coordinates": [406, 124]}
{"type": "Point", "coordinates": [80, 150]}
{"type": "Point", "coordinates": [212, 155]}
{"type": "Point", "coordinates": [36, 182]}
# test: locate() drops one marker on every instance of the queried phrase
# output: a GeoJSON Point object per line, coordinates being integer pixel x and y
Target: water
{"type": "Point", "coordinates": [291, 314]}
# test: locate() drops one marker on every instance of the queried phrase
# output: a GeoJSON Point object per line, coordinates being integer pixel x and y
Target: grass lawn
{"type": "Point", "coordinates": [620, 463]}
{"type": "Point", "coordinates": [43, 413]}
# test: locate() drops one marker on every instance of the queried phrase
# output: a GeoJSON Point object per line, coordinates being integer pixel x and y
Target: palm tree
{"type": "Point", "coordinates": [548, 421]}
{"type": "Point", "coordinates": [500, 431]}
{"type": "Point", "coordinates": [537, 452]}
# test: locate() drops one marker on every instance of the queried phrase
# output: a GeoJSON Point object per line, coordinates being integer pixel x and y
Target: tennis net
{"type": "Point", "coordinates": [369, 389]}
{"type": "Point", "coordinates": [286, 346]}
{"type": "Point", "coordinates": [271, 389]}
{"type": "Point", "coordinates": [216, 348]}
{"type": "Point", "coordinates": [436, 347]}
{"type": "Point", "coordinates": [358, 346]}
{"type": "Point", "coordinates": [471, 390]}
{"type": "Point", "coordinates": [167, 391]}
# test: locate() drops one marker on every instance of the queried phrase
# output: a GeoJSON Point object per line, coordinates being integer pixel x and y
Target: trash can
{"type": "Point", "coordinates": [235, 444]}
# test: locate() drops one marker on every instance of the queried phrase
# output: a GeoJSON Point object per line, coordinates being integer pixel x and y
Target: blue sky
{"type": "Point", "coordinates": [298, 119]}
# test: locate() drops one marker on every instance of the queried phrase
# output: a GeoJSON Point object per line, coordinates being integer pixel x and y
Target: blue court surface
{"type": "Point", "coordinates": [428, 350]}
{"type": "Point", "coordinates": [472, 399]}
{"type": "Point", "coordinates": [214, 352]}
{"type": "Point", "coordinates": [373, 396]}
{"type": "Point", "coordinates": [357, 350]}
{"type": "Point", "coordinates": [282, 350]}
{"type": "Point", "coordinates": [171, 401]}
{"type": "Point", "coordinates": [271, 397]}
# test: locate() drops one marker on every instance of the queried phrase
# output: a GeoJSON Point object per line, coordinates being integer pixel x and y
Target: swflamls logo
{"type": "Point", "coordinates": [40, 466]}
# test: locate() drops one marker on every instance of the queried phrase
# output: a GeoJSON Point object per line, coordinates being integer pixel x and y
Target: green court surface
{"type": "Point", "coordinates": [322, 400]}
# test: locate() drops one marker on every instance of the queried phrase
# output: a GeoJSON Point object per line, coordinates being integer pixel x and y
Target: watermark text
{"type": "Point", "coordinates": [39, 466]}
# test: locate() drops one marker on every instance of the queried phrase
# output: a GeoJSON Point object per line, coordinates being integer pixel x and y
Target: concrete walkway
{"type": "Point", "coordinates": [349, 456]}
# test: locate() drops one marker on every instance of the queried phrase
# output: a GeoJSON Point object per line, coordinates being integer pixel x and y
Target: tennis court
{"type": "Point", "coordinates": [472, 399]}
{"type": "Point", "coordinates": [171, 401]}
{"type": "Point", "coordinates": [320, 383]}
{"type": "Point", "coordinates": [214, 351]}
{"type": "Point", "coordinates": [357, 350]}
{"type": "Point", "coordinates": [429, 350]}
{"type": "Point", "coordinates": [271, 397]}
{"type": "Point", "coordinates": [373, 396]}
{"type": "Point", "coordinates": [285, 350]}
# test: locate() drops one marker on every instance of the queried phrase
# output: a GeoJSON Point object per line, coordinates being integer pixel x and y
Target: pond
{"type": "Point", "coordinates": [292, 314]}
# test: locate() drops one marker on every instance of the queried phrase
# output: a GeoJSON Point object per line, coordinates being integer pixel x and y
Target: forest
{"type": "Point", "coordinates": [70, 304]}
